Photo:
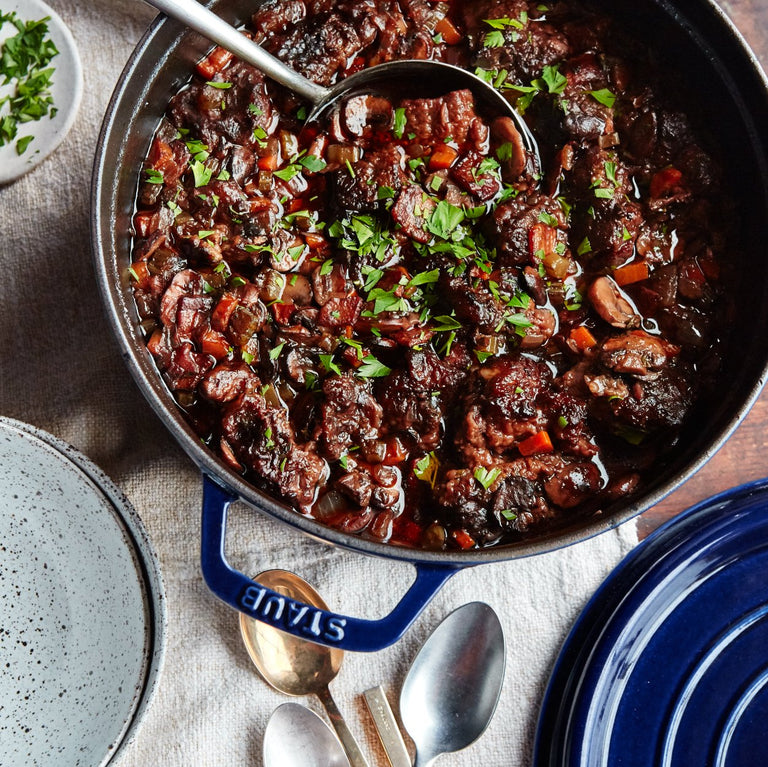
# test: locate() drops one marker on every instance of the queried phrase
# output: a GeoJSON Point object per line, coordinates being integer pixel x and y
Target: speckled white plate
{"type": "Point", "coordinates": [66, 89]}
{"type": "Point", "coordinates": [82, 609]}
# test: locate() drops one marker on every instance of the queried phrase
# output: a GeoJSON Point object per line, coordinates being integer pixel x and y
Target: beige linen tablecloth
{"type": "Point", "coordinates": [62, 372]}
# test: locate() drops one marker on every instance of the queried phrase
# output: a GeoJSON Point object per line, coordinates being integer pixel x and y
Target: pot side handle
{"type": "Point", "coordinates": [297, 618]}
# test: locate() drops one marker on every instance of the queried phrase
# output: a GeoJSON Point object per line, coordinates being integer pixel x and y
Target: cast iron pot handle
{"type": "Point", "coordinates": [297, 618]}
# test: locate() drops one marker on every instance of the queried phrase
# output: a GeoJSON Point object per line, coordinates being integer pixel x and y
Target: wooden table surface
{"type": "Point", "coordinates": [744, 457]}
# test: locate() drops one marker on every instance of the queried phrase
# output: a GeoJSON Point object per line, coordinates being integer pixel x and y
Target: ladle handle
{"type": "Point", "coordinates": [302, 620]}
{"type": "Point", "coordinates": [354, 754]}
{"type": "Point", "coordinates": [198, 17]}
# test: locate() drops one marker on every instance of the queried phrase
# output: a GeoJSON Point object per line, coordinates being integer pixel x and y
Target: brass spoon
{"type": "Point", "coordinates": [297, 666]}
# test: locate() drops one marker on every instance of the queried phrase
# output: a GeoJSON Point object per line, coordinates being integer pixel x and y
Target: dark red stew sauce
{"type": "Point", "coordinates": [400, 322]}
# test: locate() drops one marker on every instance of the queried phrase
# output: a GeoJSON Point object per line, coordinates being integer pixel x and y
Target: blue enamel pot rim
{"type": "Point", "coordinates": [159, 66]}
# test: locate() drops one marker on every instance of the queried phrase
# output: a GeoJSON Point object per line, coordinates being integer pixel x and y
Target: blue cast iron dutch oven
{"type": "Point", "coordinates": [727, 81]}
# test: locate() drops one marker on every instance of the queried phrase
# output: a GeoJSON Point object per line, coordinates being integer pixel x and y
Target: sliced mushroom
{"type": "Point", "coordinates": [612, 304]}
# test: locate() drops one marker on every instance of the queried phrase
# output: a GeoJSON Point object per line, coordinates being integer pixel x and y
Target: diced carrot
{"type": "Point", "coordinates": [142, 223]}
{"type": "Point", "coordinates": [634, 272]}
{"type": "Point", "coordinates": [447, 30]}
{"type": "Point", "coordinates": [314, 240]}
{"type": "Point", "coordinates": [269, 162]}
{"type": "Point", "coordinates": [443, 157]}
{"type": "Point", "coordinates": [406, 531]}
{"type": "Point", "coordinates": [160, 155]}
{"type": "Point", "coordinates": [464, 539]}
{"type": "Point", "coordinates": [140, 273]}
{"type": "Point", "coordinates": [299, 203]}
{"type": "Point", "coordinates": [396, 452]}
{"type": "Point", "coordinates": [214, 62]}
{"type": "Point", "coordinates": [154, 345]}
{"type": "Point", "coordinates": [223, 311]}
{"type": "Point", "coordinates": [538, 443]}
{"type": "Point", "coordinates": [542, 239]}
{"type": "Point", "coordinates": [583, 338]}
{"type": "Point", "coordinates": [215, 344]}
{"type": "Point", "coordinates": [283, 311]}
{"type": "Point", "coordinates": [351, 356]}
{"type": "Point", "coordinates": [665, 181]}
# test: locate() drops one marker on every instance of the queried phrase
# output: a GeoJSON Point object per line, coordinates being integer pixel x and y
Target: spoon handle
{"type": "Point", "coordinates": [355, 755]}
{"type": "Point", "coordinates": [208, 24]}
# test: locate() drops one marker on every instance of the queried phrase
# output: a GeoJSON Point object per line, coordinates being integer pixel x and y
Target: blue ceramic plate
{"type": "Point", "coordinates": [83, 615]}
{"type": "Point", "coordinates": [668, 663]}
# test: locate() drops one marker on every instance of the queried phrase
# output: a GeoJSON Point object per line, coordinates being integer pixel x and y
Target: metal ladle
{"type": "Point", "coordinates": [297, 666]}
{"type": "Point", "coordinates": [403, 77]}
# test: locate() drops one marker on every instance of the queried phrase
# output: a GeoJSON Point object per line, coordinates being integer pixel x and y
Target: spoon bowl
{"type": "Point", "coordinates": [297, 666]}
{"type": "Point", "coordinates": [407, 77]}
{"type": "Point", "coordinates": [454, 683]}
{"type": "Point", "coordinates": [297, 737]}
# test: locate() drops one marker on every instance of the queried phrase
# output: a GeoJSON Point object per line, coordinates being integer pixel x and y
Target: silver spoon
{"type": "Point", "coordinates": [453, 686]}
{"type": "Point", "coordinates": [409, 75]}
{"type": "Point", "coordinates": [297, 737]}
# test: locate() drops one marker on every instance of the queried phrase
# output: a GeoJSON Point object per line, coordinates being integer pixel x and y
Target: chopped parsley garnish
{"type": "Point", "coordinates": [326, 360]}
{"type": "Point", "coordinates": [220, 85]}
{"type": "Point", "coordinates": [152, 176]}
{"type": "Point", "coordinates": [548, 219]}
{"type": "Point", "coordinates": [426, 468]}
{"type": "Point", "coordinates": [400, 121]}
{"type": "Point", "coordinates": [312, 163]}
{"type": "Point", "coordinates": [486, 477]}
{"type": "Point", "coordinates": [372, 368]}
{"type": "Point", "coordinates": [24, 60]}
{"type": "Point", "coordinates": [584, 247]}
{"type": "Point", "coordinates": [603, 96]}
{"type": "Point", "coordinates": [275, 353]}
{"type": "Point", "coordinates": [202, 174]}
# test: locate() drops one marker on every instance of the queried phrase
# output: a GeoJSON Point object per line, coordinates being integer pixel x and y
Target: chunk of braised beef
{"type": "Point", "coordinates": [605, 217]}
{"type": "Point", "coordinates": [358, 190]}
{"type": "Point", "coordinates": [516, 501]}
{"type": "Point", "coordinates": [185, 305]}
{"type": "Point", "coordinates": [198, 108]}
{"type": "Point", "coordinates": [448, 117]}
{"type": "Point", "coordinates": [467, 172]}
{"type": "Point", "coordinates": [186, 367]}
{"type": "Point", "coordinates": [413, 210]}
{"type": "Point", "coordinates": [464, 505]}
{"type": "Point", "coordinates": [513, 223]}
{"type": "Point", "coordinates": [527, 48]}
{"type": "Point", "coordinates": [475, 305]}
{"type": "Point", "coordinates": [274, 16]}
{"type": "Point", "coordinates": [225, 382]}
{"type": "Point", "coordinates": [320, 45]}
{"type": "Point", "coordinates": [502, 408]}
{"type": "Point", "coordinates": [261, 437]}
{"type": "Point", "coordinates": [349, 415]}
{"type": "Point", "coordinates": [660, 403]}
{"type": "Point", "coordinates": [410, 410]}
{"type": "Point", "coordinates": [357, 486]}
{"type": "Point", "coordinates": [585, 117]}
